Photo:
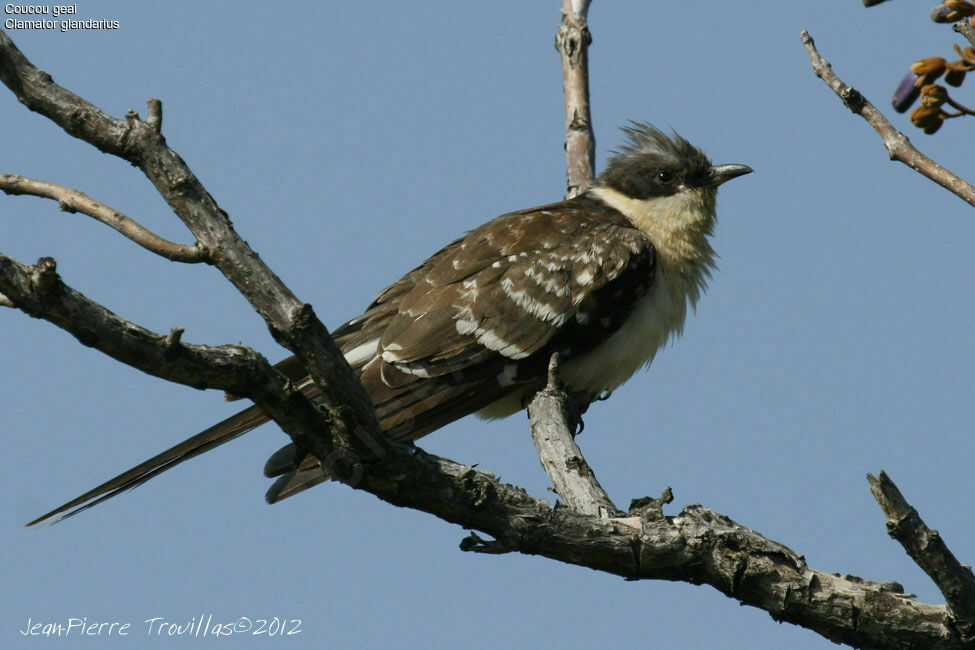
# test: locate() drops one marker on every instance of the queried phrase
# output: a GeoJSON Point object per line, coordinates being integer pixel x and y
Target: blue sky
{"type": "Point", "coordinates": [348, 141]}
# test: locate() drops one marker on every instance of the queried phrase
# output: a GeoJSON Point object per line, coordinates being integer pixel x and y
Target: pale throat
{"type": "Point", "coordinates": [678, 224]}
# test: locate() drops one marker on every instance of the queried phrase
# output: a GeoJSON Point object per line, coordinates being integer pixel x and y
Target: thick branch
{"type": "Point", "coordinates": [74, 201]}
{"type": "Point", "coordinates": [553, 417]}
{"type": "Point", "coordinates": [292, 322]}
{"type": "Point", "coordinates": [572, 41]}
{"type": "Point", "coordinates": [697, 546]}
{"type": "Point", "coordinates": [38, 291]}
{"type": "Point", "coordinates": [929, 551]}
{"type": "Point", "coordinates": [898, 145]}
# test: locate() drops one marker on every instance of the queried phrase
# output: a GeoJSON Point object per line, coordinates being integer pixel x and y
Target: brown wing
{"type": "Point", "coordinates": [509, 287]}
{"type": "Point", "coordinates": [479, 319]}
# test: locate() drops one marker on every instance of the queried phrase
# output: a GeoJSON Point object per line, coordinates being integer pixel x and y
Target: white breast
{"type": "Point", "coordinates": [658, 316]}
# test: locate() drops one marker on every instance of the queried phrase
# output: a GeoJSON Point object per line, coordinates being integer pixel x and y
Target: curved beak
{"type": "Point", "coordinates": [722, 173]}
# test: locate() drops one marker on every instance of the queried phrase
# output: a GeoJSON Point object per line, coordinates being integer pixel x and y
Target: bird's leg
{"type": "Point", "coordinates": [576, 404]}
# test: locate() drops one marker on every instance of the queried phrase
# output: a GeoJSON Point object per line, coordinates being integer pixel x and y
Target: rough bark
{"type": "Point", "coordinates": [929, 551]}
{"type": "Point", "coordinates": [572, 42]}
{"type": "Point", "coordinates": [554, 415]}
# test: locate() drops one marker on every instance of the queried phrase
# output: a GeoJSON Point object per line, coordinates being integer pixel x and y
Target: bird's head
{"type": "Point", "coordinates": [652, 164]}
{"type": "Point", "coordinates": [665, 185]}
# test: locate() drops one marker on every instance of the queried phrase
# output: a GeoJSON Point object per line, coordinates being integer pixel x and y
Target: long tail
{"type": "Point", "coordinates": [408, 406]}
{"type": "Point", "coordinates": [225, 431]}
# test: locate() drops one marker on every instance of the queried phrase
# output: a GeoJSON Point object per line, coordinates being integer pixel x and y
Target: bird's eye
{"type": "Point", "coordinates": [665, 177]}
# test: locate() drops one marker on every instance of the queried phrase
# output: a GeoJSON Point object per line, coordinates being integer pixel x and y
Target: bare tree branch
{"type": "Point", "coordinates": [38, 291]}
{"type": "Point", "coordinates": [292, 322]}
{"type": "Point", "coordinates": [898, 145]}
{"type": "Point", "coordinates": [572, 41]}
{"type": "Point", "coordinates": [929, 551]}
{"type": "Point", "coordinates": [697, 546]}
{"type": "Point", "coordinates": [553, 415]}
{"type": "Point", "coordinates": [70, 200]}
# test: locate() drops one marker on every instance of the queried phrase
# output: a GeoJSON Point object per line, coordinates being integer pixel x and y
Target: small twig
{"type": "Point", "coordinates": [929, 551]}
{"type": "Point", "coordinates": [965, 28]}
{"type": "Point", "coordinates": [572, 42]}
{"type": "Point", "coordinates": [154, 119]}
{"type": "Point", "coordinates": [898, 145]}
{"type": "Point", "coordinates": [650, 508]}
{"type": "Point", "coordinates": [552, 430]}
{"type": "Point", "coordinates": [474, 543]}
{"type": "Point", "coordinates": [43, 277]}
{"type": "Point", "coordinates": [70, 200]}
{"type": "Point", "coordinates": [173, 338]}
{"type": "Point", "coordinates": [961, 107]}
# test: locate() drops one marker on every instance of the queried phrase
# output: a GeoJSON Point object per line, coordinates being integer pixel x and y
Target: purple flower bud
{"type": "Point", "coordinates": [906, 93]}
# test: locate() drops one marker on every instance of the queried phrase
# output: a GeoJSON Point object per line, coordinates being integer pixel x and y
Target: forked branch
{"type": "Point", "coordinates": [70, 200]}
{"type": "Point", "coordinates": [292, 322]}
{"type": "Point", "coordinates": [929, 551]}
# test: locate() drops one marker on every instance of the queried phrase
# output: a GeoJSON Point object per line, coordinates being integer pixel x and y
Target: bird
{"type": "Point", "coordinates": [604, 279]}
